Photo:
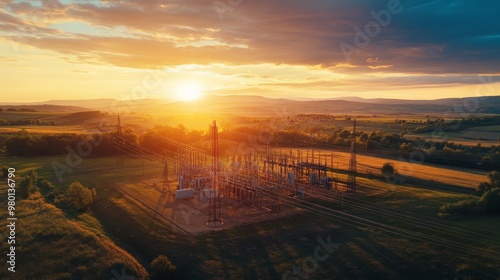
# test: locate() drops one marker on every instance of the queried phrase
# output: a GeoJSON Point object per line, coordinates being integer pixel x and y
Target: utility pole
{"type": "Point", "coordinates": [351, 174]}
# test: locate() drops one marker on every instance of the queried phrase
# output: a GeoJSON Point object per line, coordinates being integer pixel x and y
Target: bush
{"type": "Point", "coordinates": [79, 196]}
{"type": "Point", "coordinates": [51, 197]}
{"type": "Point", "coordinates": [491, 201]}
{"type": "Point", "coordinates": [162, 268]}
{"type": "Point", "coordinates": [371, 145]}
{"type": "Point", "coordinates": [464, 207]}
{"type": "Point", "coordinates": [388, 169]}
{"type": "Point", "coordinates": [33, 175]}
{"type": "Point", "coordinates": [487, 162]}
{"type": "Point", "coordinates": [483, 188]}
{"type": "Point", "coordinates": [27, 187]}
{"type": "Point", "coordinates": [492, 183]}
{"type": "Point", "coordinates": [45, 185]}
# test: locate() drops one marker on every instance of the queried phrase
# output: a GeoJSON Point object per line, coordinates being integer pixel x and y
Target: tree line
{"type": "Point", "coordinates": [486, 201]}
{"type": "Point", "coordinates": [19, 110]}
{"type": "Point", "coordinates": [25, 122]}
{"type": "Point", "coordinates": [440, 152]}
{"type": "Point", "coordinates": [25, 143]}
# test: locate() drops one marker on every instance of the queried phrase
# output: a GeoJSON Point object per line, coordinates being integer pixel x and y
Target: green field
{"type": "Point", "coordinates": [264, 250]}
{"type": "Point", "coordinates": [118, 233]}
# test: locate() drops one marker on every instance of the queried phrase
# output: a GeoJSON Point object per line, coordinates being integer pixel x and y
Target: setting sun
{"type": "Point", "coordinates": [188, 91]}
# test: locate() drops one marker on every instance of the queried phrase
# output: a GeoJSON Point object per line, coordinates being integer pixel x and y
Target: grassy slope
{"type": "Point", "coordinates": [51, 246]}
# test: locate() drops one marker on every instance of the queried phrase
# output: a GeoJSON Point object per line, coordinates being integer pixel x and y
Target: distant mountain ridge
{"type": "Point", "coordinates": [43, 107]}
{"type": "Point", "coordinates": [259, 105]}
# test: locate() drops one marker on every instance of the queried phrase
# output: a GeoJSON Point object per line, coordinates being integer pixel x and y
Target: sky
{"type": "Point", "coordinates": [407, 49]}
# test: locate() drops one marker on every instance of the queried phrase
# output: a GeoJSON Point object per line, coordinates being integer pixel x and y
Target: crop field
{"type": "Point", "coordinates": [370, 165]}
{"type": "Point", "coordinates": [36, 129]}
{"type": "Point", "coordinates": [491, 133]}
{"type": "Point", "coordinates": [264, 249]}
{"type": "Point", "coordinates": [135, 222]}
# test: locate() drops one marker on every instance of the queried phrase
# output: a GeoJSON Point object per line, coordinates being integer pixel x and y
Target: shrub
{"type": "Point", "coordinates": [492, 183]}
{"type": "Point", "coordinates": [45, 185]}
{"type": "Point", "coordinates": [162, 268]}
{"type": "Point", "coordinates": [27, 187]}
{"type": "Point", "coordinates": [464, 207]}
{"type": "Point", "coordinates": [79, 196]}
{"type": "Point", "coordinates": [371, 145]}
{"type": "Point", "coordinates": [51, 197]}
{"type": "Point", "coordinates": [388, 169]}
{"type": "Point", "coordinates": [33, 175]}
{"type": "Point", "coordinates": [491, 201]}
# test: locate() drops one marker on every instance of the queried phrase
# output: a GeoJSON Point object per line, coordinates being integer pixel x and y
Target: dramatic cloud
{"type": "Point", "coordinates": [420, 38]}
{"type": "Point", "coordinates": [426, 36]}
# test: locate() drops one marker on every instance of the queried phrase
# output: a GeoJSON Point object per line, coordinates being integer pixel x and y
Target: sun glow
{"type": "Point", "coordinates": [188, 91]}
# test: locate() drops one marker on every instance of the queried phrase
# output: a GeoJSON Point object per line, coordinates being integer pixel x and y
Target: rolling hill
{"type": "Point", "coordinates": [258, 105]}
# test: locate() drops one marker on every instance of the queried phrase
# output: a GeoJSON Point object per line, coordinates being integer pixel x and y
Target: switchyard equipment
{"type": "Point", "coordinates": [286, 179]}
{"type": "Point", "coordinates": [249, 178]}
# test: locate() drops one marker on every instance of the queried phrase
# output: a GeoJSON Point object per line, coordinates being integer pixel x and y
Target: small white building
{"type": "Point", "coordinates": [184, 194]}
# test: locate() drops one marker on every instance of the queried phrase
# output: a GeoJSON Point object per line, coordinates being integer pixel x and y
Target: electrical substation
{"type": "Point", "coordinates": [198, 191]}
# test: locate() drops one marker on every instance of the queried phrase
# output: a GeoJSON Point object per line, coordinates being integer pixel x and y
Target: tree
{"type": "Point", "coordinates": [45, 185]}
{"type": "Point", "coordinates": [484, 187]}
{"type": "Point", "coordinates": [492, 183]}
{"type": "Point", "coordinates": [162, 268]}
{"type": "Point", "coordinates": [363, 138]}
{"type": "Point", "coordinates": [388, 169]}
{"type": "Point", "coordinates": [344, 134]}
{"type": "Point", "coordinates": [491, 201]}
{"type": "Point", "coordinates": [370, 145]}
{"type": "Point", "coordinates": [79, 196]}
{"type": "Point", "coordinates": [27, 187]}
{"type": "Point", "coordinates": [487, 162]}
{"type": "Point", "coordinates": [130, 136]}
{"type": "Point", "coordinates": [494, 178]}
{"type": "Point", "coordinates": [33, 175]}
